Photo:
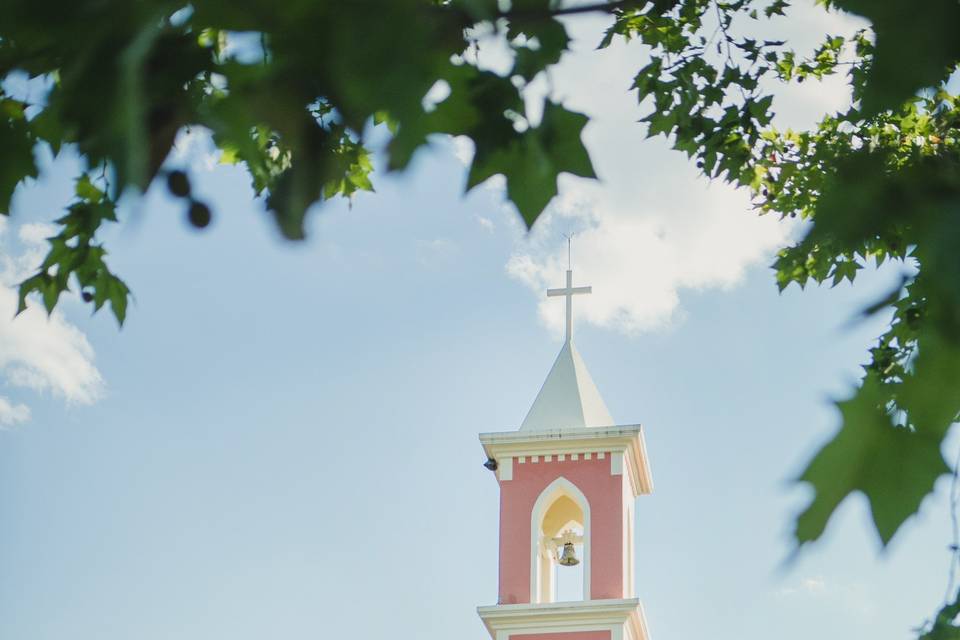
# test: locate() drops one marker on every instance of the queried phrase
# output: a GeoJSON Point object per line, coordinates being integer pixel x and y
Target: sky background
{"type": "Point", "coordinates": [282, 441]}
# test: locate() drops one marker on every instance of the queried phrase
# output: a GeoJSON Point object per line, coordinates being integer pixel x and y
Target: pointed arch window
{"type": "Point", "coordinates": [560, 514]}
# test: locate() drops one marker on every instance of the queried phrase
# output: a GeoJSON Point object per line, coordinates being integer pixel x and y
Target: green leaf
{"type": "Point", "coordinates": [18, 163]}
{"type": "Point", "coordinates": [776, 8]}
{"type": "Point", "coordinates": [661, 123]}
{"type": "Point", "coordinates": [930, 395]}
{"type": "Point", "coordinates": [915, 46]}
{"type": "Point", "coordinates": [846, 269]}
{"type": "Point", "coordinates": [47, 126]}
{"type": "Point", "coordinates": [74, 256]}
{"type": "Point", "coordinates": [325, 163]}
{"type": "Point", "coordinates": [647, 77]}
{"type": "Point", "coordinates": [533, 160]}
{"type": "Point", "coordinates": [551, 41]}
{"type": "Point", "coordinates": [28, 286]}
{"type": "Point", "coordinates": [478, 9]}
{"type": "Point", "coordinates": [229, 155]}
{"type": "Point", "coordinates": [561, 131]}
{"type": "Point", "coordinates": [50, 292]}
{"type": "Point", "coordinates": [894, 467]}
{"type": "Point", "coordinates": [759, 109]}
{"type": "Point", "coordinates": [118, 294]}
{"type": "Point", "coordinates": [458, 114]}
{"type": "Point", "coordinates": [86, 190]}
{"type": "Point", "coordinates": [944, 625]}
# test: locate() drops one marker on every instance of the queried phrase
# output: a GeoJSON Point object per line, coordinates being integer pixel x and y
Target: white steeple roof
{"type": "Point", "coordinates": [568, 398]}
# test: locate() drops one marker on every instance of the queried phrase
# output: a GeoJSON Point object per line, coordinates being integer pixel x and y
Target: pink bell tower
{"type": "Point", "coordinates": [568, 480]}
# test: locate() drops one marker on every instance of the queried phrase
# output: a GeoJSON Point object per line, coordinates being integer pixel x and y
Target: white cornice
{"type": "Point", "coordinates": [509, 619]}
{"type": "Point", "coordinates": [626, 439]}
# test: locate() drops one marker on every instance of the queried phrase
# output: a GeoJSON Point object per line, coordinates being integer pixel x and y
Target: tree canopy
{"type": "Point", "coordinates": [877, 182]}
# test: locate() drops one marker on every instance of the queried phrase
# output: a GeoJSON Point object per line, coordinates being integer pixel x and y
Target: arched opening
{"type": "Point", "coordinates": [561, 517]}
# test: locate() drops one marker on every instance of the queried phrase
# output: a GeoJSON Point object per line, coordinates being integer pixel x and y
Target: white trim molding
{"type": "Point", "coordinates": [505, 469]}
{"type": "Point", "coordinates": [623, 618]}
{"type": "Point", "coordinates": [616, 464]}
{"type": "Point", "coordinates": [624, 444]}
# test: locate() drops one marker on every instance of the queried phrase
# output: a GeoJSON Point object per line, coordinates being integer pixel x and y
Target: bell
{"type": "Point", "coordinates": [569, 557]}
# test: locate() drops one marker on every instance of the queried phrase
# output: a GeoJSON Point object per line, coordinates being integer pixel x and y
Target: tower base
{"type": "Point", "coordinates": [587, 620]}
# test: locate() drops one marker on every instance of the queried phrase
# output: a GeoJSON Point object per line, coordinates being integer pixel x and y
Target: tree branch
{"type": "Point", "coordinates": [605, 7]}
{"type": "Point", "coordinates": [538, 14]}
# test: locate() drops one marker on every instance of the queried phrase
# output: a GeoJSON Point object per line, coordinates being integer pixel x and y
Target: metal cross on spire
{"type": "Point", "coordinates": [569, 291]}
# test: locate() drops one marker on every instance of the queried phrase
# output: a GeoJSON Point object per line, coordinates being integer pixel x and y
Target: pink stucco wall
{"type": "Point", "coordinates": [561, 635]}
{"type": "Point", "coordinates": [517, 498]}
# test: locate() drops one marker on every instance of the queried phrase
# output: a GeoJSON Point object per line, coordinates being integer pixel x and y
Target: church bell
{"type": "Point", "coordinates": [569, 557]}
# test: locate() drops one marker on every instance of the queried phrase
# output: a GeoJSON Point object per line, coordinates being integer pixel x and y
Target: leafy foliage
{"type": "Point", "coordinates": [75, 254]}
{"type": "Point", "coordinates": [863, 457]}
{"type": "Point", "coordinates": [533, 159]}
{"type": "Point", "coordinates": [913, 48]}
{"type": "Point", "coordinates": [877, 182]}
{"type": "Point", "coordinates": [17, 144]}
{"type": "Point", "coordinates": [291, 104]}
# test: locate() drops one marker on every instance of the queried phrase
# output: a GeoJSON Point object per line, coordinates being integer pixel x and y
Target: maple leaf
{"type": "Point", "coordinates": [534, 159]}
{"type": "Point", "coordinates": [18, 160]}
{"type": "Point", "coordinates": [893, 466]}
{"type": "Point", "coordinates": [914, 47]}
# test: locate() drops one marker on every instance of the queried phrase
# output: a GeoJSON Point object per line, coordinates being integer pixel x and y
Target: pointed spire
{"type": "Point", "coordinates": [568, 398]}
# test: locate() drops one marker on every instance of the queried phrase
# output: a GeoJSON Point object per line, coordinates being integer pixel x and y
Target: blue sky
{"type": "Point", "coordinates": [282, 441]}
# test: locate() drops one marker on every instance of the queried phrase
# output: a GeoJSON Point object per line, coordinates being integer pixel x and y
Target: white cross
{"type": "Point", "coordinates": [569, 291]}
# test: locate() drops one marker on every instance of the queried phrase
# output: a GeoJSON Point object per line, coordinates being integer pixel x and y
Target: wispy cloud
{"type": "Point", "coordinates": [196, 148]}
{"type": "Point", "coordinates": [12, 414]}
{"type": "Point", "coordinates": [463, 149]}
{"type": "Point", "coordinates": [850, 597]}
{"type": "Point", "coordinates": [486, 223]}
{"type": "Point", "coordinates": [638, 261]}
{"type": "Point", "coordinates": [651, 228]}
{"type": "Point", "coordinates": [436, 252]}
{"type": "Point", "coordinates": [37, 352]}
{"type": "Point", "coordinates": [809, 586]}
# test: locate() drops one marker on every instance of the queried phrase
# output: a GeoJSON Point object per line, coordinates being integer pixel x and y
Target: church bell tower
{"type": "Point", "coordinates": [569, 478]}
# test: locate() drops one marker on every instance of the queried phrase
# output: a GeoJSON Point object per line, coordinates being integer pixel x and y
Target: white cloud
{"type": "Point", "coordinates": [12, 414]}
{"type": "Point", "coordinates": [849, 597]}
{"type": "Point", "coordinates": [463, 150]}
{"type": "Point", "coordinates": [486, 223]}
{"type": "Point", "coordinates": [34, 234]}
{"type": "Point", "coordinates": [639, 259]}
{"type": "Point", "coordinates": [41, 353]}
{"type": "Point", "coordinates": [652, 227]}
{"type": "Point", "coordinates": [808, 586]}
{"type": "Point", "coordinates": [46, 354]}
{"type": "Point", "coordinates": [195, 147]}
{"type": "Point", "coordinates": [436, 252]}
